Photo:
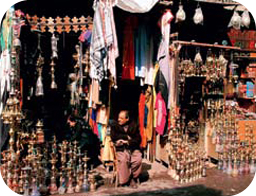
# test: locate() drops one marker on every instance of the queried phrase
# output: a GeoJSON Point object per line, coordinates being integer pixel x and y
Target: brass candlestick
{"type": "Point", "coordinates": [21, 183]}
{"type": "Point", "coordinates": [4, 166]}
{"type": "Point", "coordinates": [12, 112]}
{"type": "Point", "coordinates": [70, 188]}
{"type": "Point", "coordinates": [53, 161]}
{"type": "Point", "coordinates": [63, 152]}
{"type": "Point", "coordinates": [74, 160]}
{"type": "Point", "coordinates": [53, 186]}
{"type": "Point", "coordinates": [10, 166]}
{"type": "Point", "coordinates": [70, 179]}
{"type": "Point", "coordinates": [79, 173]}
{"type": "Point", "coordinates": [27, 170]}
{"type": "Point", "coordinates": [15, 185]}
{"type": "Point", "coordinates": [40, 132]}
{"type": "Point", "coordinates": [92, 181]}
{"type": "Point", "coordinates": [85, 185]}
{"type": "Point", "coordinates": [53, 83]}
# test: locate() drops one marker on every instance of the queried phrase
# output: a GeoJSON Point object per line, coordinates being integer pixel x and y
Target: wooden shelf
{"type": "Point", "coordinates": [192, 43]}
{"type": "Point", "coordinates": [248, 50]}
{"type": "Point", "coordinates": [245, 57]}
{"type": "Point", "coordinates": [247, 78]}
{"type": "Point", "coordinates": [246, 98]}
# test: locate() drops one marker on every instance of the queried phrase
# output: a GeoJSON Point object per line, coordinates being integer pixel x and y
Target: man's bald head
{"type": "Point", "coordinates": [123, 117]}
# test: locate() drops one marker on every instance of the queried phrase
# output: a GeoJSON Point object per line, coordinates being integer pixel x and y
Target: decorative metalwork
{"type": "Point", "coordinates": [59, 25]}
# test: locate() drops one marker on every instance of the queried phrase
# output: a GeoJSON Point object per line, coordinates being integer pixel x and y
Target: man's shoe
{"type": "Point", "coordinates": [133, 184]}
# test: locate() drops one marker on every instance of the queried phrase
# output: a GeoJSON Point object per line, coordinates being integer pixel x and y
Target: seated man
{"type": "Point", "coordinates": [126, 136]}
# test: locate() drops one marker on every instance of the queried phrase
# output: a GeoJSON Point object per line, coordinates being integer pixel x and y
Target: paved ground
{"type": "Point", "coordinates": [156, 182]}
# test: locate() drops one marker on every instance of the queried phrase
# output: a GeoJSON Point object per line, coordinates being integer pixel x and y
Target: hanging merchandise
{"type": "Point", "coordinates": [5, 59]}
{"type": "Point", "coordinates": [74, 98]}
{"type": "Point", "coordinates": [144, 53]}
{"type": "Point", "coordinates": [198, 62]}
{"type": "Point", "coordinates": [198, 58]}
{"type": "Point", "coordinates": [128, 66]}
{"type": "Point", "coordinates": [235, 21]}
{"type": "Point", "coordinates": [198, 17]}
{"type": "Point", "coordinates": [54, 42]}
{"type": "Point", "coordinates": [39, 83]}
{"type": "Point", "coordinates": [86, 37]}
{"type": "Point", "coordinates": [246, 21]}
{"type": "Point", "coordinates": [173, 90]}
{"type": "Point", "coordinates": [163, 75]}
{"type": "Point", "coordinates": [180, 15]}
{"type": "Point", "coordinates": [53, 83]}
{"type": "Point", "coordinates": [223, 65]}
{"type": "Point", "coordinates": [103, 48]}
{"type": "Point", "coordinates": [136, 6]}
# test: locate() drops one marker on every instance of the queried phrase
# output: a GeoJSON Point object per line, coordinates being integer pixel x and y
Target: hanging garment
{"type": "Point", "coordinates": [94, 94]}
{"type": "Point", "coordinates": [162, 81]}
{"type": "Point", "coordinates": [113, 51]}
{"type": "Point", "coordinates": [100, 130]}
{"type": "Point", "coordinates": [141, 120]}
{"type": "Point", "coordinates": [136, 6]}
{"type": "Point", "coordinates": [104, 92]}
{"type": "Point", "coordinates": [141, 51]}
{"type": "Point", "coordinates": [5, 70]}
{"type": "Point", "coordinates": [149, 65]}
{"type": "Point", "coordinates": [107, 152]}
{"type": "Point", "coordinates": [6, 35]}
{"type": "Point", "coordinates": [128, 66]}
{"type": "Point", "coordinates": [103, 48]}
{"type": "Point", "coordinates": [102, 115]}
{"type": "Point", "coordinates": [86, 37]}
{"type": "Point", "coordinates": [97, 47]}
{"type": "Point", "coordinates": [93, 122]}
{"type": "Point", "coordinates": [156, 69]}
{"type": "Point", "coordinates": [161, 114]}
{"type": "Point", "coordinates": [173, 89]}
{"type": "Point", "coordinates": [149, 102]}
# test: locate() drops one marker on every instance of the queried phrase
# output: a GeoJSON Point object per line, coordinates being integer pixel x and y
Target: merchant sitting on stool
{"type": "Point", "coordinates": [126, 137]}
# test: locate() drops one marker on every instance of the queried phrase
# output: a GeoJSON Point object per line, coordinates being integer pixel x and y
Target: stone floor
{"type": "Point", "coordinates": [156, 182]}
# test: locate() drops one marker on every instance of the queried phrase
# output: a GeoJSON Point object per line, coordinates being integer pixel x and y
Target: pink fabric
{"type": "Point", "coordinates": [161, 114]}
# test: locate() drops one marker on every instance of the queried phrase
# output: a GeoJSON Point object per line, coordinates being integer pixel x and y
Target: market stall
{"type": "Point", "coordinates": [186, 74]}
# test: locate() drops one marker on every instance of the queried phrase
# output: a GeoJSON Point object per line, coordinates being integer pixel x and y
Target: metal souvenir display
{"type": "Point", "coordinates": [186, 160]}
{"type": "Point", "coordinates": [235, 157]}
{"type": "Point", "coordinates": [39, 83]}
{"type": "Point", "coordinates": [85, 185]}
{"type": "Point", "coordinates": [53, 161]}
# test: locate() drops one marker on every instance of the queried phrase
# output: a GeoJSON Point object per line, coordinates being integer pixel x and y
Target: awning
{"type": "Point", "coordinates": [136, 6]}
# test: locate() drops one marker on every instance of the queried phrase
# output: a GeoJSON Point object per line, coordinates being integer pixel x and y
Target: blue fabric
{"type": "Point", "coordinates": [146, 116]}
{"type": "Point", "coordinates": [249, 89]}
{"type": "Point", "coordinates": [141, 50]}
{"type": "Point", "coordinates": [100, 131]}
{"type": "Point", "coordinates": [94, 115]}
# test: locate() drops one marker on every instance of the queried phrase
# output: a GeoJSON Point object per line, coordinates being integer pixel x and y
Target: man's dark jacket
{"type": "Point", "coordinates": [118, 133]}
